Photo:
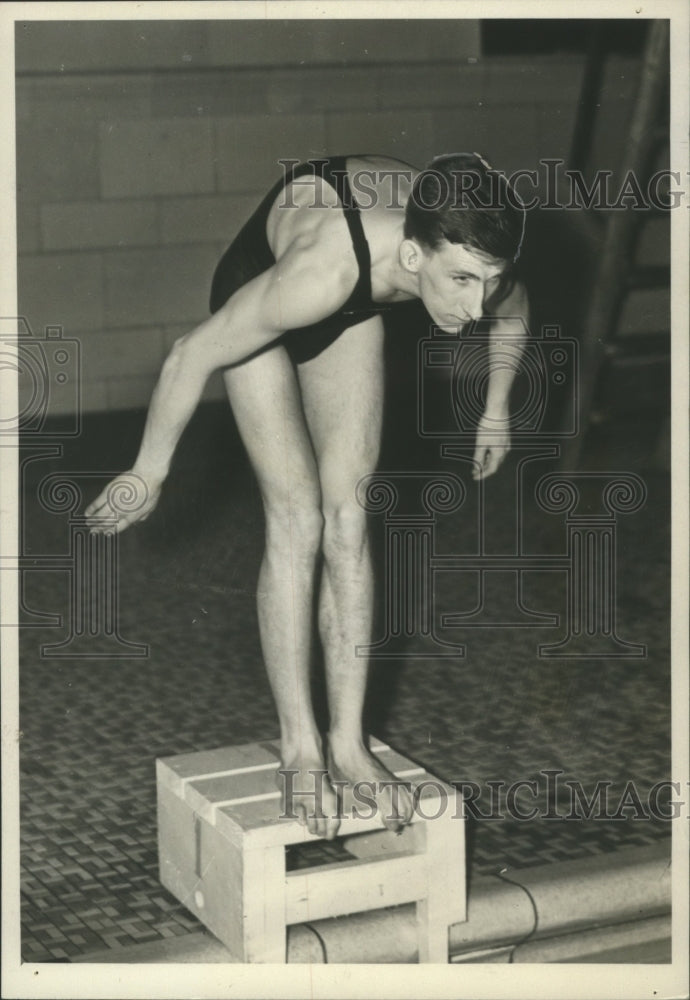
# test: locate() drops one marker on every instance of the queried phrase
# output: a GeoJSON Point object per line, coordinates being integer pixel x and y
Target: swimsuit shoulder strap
{"type": "Point", "coordinates": [334, 171]}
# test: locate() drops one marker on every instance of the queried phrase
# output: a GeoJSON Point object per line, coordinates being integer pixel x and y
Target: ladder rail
{"type": "Point", "coordinates": [611, 282]}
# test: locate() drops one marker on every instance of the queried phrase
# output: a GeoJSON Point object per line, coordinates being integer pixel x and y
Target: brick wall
{"type": "Point", "coordinates": [141, 149]}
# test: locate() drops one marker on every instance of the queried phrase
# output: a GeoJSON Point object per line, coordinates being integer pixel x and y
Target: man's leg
{"type": "Point", "coordinates": [265, 399]}
{"type": "Point", "coordinates": [342, 391]}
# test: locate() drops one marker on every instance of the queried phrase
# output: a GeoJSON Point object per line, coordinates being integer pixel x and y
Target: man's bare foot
{"type": "Point", "coordinates": [369, 784]}
{"type": "Point", "coordinates": [306, 793]}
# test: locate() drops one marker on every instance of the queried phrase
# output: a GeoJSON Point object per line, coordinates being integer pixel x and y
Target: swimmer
{"type": "Point", "coordinates": [296, 326]}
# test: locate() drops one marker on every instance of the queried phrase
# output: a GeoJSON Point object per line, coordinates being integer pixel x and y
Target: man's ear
{"type": "Point", "coordinates": [411, 255]}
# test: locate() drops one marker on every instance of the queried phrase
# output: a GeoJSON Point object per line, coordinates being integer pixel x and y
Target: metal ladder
{"type": "Point", "coordinates": [603, 348]}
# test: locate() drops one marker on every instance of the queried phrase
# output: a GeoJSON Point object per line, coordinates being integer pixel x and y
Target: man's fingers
{"type": "Point", "coordinates": [111, 521]}
{"type": "Point", "coordinates": [487, 461]}
{"type": "Point", "coordinates": [100, 516]}
{"type": "Point", "coordinates": [99, 509]}
{"type": "Point", "coordinates": [96, 504]}
{"type": "Point", "coordinates": [106, 524]}
{"type": "Point", "coordinates": [101, 506]}
{"type": "Point", "coordinates": [492, 461]}
{"type": "Point", "coordinates": [478, 466]}
{"type": "Point", "coordinates": [121, 504]}
{"type": "Point", "coordinates": [483, 459]}
{"type": "Point", "coordinates": [100, 512]}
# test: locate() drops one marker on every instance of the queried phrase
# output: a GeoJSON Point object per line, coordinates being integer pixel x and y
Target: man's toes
{"type": "Point", "coordinates": [392, 824]}
{"type": "Point", "coordinates": [389, 817]}
{"type": "Point", "coordinates": [397, 811]}
{"type": "Point", "coordinates": [393, 819]}
{"type": "Point", "coordinates": [406, 807]}
{"type": "Point", "coordinates": [332, 825]}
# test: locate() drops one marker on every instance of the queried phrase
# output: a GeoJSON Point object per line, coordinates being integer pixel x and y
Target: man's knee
{"type": "Point", "coordinates": [294, 524]}
{"type": "Point", "coordinates": [345, 532]}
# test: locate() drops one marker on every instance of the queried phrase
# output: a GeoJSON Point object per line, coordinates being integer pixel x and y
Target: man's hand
{"type": "Point", "coordinates": [492, 445]}
{"type": "Point", "coordinates": [507, 336]}
{"type": "Point", "coordinates": [127, 499]}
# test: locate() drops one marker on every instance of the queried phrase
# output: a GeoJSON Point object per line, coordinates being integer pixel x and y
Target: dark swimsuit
{"type": "Point", "coordinates": [250, 255]}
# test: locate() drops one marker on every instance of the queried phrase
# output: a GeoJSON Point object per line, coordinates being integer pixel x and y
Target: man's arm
{"type": "Point", "coordinates": [508, 333]}
{"type": "Point", "coordinates": [303, 287]}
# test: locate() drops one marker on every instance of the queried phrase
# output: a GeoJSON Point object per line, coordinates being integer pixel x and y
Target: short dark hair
{"type": "Point", "coordinates": [461, 199]}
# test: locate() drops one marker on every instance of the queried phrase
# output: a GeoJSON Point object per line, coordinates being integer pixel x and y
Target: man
{"type": "Point", "coordinates": [296, 326]}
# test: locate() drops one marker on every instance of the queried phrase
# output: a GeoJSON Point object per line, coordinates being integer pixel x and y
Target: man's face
{"type": "Point", "coordinates": [454, 283]}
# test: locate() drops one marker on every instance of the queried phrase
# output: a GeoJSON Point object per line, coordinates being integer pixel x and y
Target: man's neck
{"type": "Point", "coordinates": [390, 281]}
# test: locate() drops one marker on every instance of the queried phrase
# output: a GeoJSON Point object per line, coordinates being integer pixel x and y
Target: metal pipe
{"type": "Point", "coordinates": [609, 890]}
{"type": "Point", "coordinates": [610, 283]}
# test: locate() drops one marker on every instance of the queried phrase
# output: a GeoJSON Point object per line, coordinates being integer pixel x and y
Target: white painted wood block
{"type": "Point", "coordinates": [222, 853]}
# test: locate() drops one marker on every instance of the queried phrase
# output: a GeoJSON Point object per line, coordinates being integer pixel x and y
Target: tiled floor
{"type": "Point", "coordinates": [92, 727]}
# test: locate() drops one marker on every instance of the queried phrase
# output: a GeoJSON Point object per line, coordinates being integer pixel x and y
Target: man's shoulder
{"type": "Point", "coordinates": [299, 214]}
{"type": "Point", "coordinates": [316, 239]}
{"type": "Point", "coordinates": [310, 281]}
{"type": "Point", "coordinates": [319, 254]}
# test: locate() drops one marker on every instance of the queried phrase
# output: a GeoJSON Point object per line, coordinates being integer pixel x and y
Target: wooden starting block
{"type": "Point", "coordinates": [222, 842]}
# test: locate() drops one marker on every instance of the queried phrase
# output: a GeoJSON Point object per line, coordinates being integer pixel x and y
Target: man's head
{"type": "Point", "coordinates": [459, 198]}
{"type": "Point", "coordinates": [464, 227]}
